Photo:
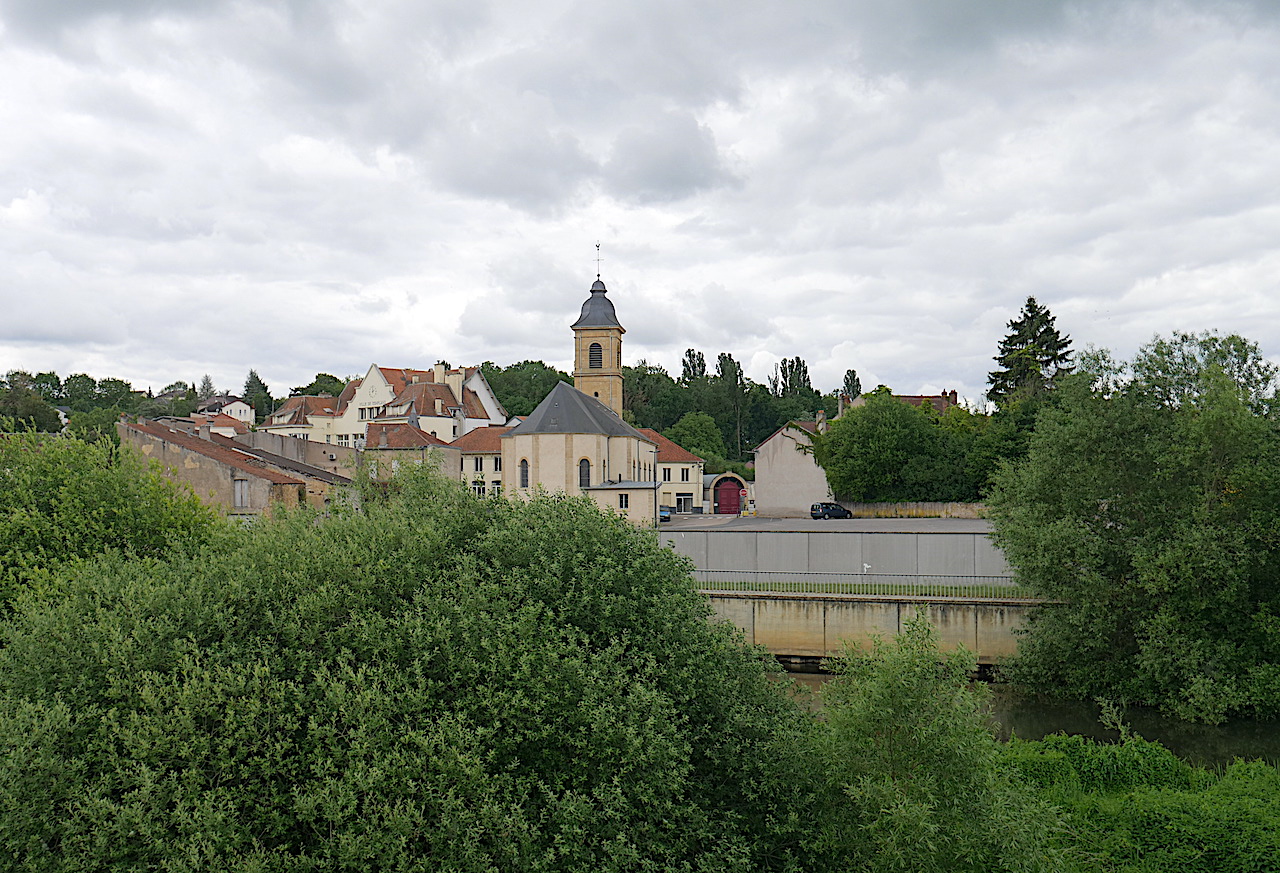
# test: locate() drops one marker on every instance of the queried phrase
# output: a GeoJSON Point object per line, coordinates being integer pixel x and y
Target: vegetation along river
{"type": "Point", "coordinates": [1032, 718]}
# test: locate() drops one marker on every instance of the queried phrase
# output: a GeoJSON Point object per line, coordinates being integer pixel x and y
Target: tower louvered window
{"type": "Point", "coordinates": [595, 356]}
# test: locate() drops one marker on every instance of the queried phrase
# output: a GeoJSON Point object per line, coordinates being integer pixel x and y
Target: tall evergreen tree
{"type": "Point", "coordinates": [1033, 355]}
{"type": "Point", "coordinates": [257, 394]}
{"type": "Point", "coordinates": [206, 389]}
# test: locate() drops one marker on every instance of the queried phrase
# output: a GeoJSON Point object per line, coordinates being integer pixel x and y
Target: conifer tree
{"type": "Point", "coordinates": [1033, 355]}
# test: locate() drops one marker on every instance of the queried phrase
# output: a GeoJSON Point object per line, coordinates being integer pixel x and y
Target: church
{"type": "Point", "coordinates": [576, 441]}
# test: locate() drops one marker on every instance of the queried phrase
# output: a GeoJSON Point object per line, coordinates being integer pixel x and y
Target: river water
{"type": "Point", "coordinates": [1032, 718]}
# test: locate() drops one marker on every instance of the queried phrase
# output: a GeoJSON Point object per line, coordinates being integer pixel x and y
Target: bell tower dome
{"type": "Point", "coordinates": [597, 349]}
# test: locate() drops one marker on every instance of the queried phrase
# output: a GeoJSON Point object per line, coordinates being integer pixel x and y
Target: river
{"type": "Point", "coordinates": [1031, 718]}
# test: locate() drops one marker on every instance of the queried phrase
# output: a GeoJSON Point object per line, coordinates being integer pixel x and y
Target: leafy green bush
{"type": "Point", "coordinates": [437, 682]}
{"type": "Point", "coordinates": [909, 774]}
{"type": "Point", "coordinates": [63, 499]}
{"type": "Point", "coordinates": [1134, 807]}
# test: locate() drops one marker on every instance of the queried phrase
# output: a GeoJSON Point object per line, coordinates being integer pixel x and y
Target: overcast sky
{"type": "Point", "coordinates": [197, 186]}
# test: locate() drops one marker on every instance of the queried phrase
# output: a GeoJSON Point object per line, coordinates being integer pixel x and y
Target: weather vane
{"type": "Point", "coordinates": [597, 259]}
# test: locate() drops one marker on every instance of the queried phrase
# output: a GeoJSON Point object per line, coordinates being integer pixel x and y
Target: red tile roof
{"type": "Point", "coordinates": [482, 439]}
{"type": "Point", "coordinates": [221, 419]}
{"type": "Point", "coordinates": [669, 452]}
{"type": "Point", "coordinates": [302, 407]}
{"type": "Point", "coordinates": [231, 457]}
{"type": "Point", "coordinates": [399, 436]}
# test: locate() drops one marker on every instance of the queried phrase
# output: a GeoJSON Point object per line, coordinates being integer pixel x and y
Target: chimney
{"type": "Point", "coordinates": [206, 432]}
{"type": "Point", "coordinates": [822, 421]}
{"type": "Point", "coordinates": [439, 407]}
{"type": "Point", "coordinates": [413, 380]}
{"type": "Point", "coordinates": [382, 437]}
{"type": "Point", "coordinates": [437, 373]}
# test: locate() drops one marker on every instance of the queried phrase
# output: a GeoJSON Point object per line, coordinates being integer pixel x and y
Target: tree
{"type": "Point", "coordinates": [887, 449]}
{"type": "Point", "coordinates": [436, 682]}
{"type": "Point", "coordinates": [852, 385]}
{"type": "Point", "coordinates": [49, 386]}
{"type": "Point", "coordinates": [728, 395]}
{"type": "Point", "coordinates": [80, 391]}
{"type": "Point", "coordinates": [1146, 510]}
{"type": "Point", "coordinates": [21, 406]}
{"type": "Point", "coordinates": [206, 389]}
{"type": "Point", "coordinates": [791, 379]}
{"type": "Point", "coordinates": [63, 499]}
{"type": "Point", "coordinates": [323, 383]}
{"type": "Point", "coordinates": [521, 387]}
{"type": "Point", "coordinates": [257, 395]}
{"type": "Point", "coordinates": [96, 424]}
{"type": "Point", "coordinates": [697, 432]}
{"type": "Point", "coordinates": [1033, 356]}
{"type": "Point", "coordinates": [650, 396]}
{"type": "Point", "coordinates": [175, 386]}
{"type": "Point", "coordinates": [692, 367]}
{"type": "Point", "coordinates": [910, 776]}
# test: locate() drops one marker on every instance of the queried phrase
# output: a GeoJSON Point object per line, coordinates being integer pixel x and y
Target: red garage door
{"type": "Point", "coordinates": [727, 500]}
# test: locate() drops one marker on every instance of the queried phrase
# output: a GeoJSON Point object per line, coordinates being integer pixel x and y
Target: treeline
{"type": "Point", "coordinates": [441, 681]}
{"type": "Point", "coordinates": [31, 402]}
{"type": "Point", "coordinates": [741, 411]}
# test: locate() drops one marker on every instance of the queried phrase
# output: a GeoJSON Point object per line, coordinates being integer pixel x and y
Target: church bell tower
{"type": "Point", "coordinates": [597, 349]}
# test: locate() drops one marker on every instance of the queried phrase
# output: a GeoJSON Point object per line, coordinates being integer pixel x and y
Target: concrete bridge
{"type": "Point", "coordinates": [807, 627]}
{"type": "Point", "coordinates": [803, 589]}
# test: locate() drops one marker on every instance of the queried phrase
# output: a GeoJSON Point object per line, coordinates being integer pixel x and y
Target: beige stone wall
{"type": "Point", "coordinates": [642, 507]}
{"type": "Point", "coordinates": [788, 481]}
{"type": "Point", "coordinates": [604, 383]}
{"type": "Point", "coordinates": [212, 482]}
{"type": "Point", "coordinates": [816, 626]}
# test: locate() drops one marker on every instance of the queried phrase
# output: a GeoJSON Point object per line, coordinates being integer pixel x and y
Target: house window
{"type": "Point", "coordinates": [595, 356]}
{"type": "Point", "coordinates": [479, 465]}
{"type": "Point", "coordinates": [684, 503]}
{"type": "Point", "coordinates": [524, 473]}
{"type": "Point", "coordinates": [584, 473]}
{"type": "Point", "coordinates": [666, 474]}
{"type": "Point", "coordinates": [624, 501]}
{"type": "Point", "coordinates": [478, 487]}
{"type": "Point", "coordinates": [495, 487]}
{"type": "Point", "coordinates": [241, 493]}
{"type": "Point", "coordinates": [497, 463]}
{"type": "Point", "coordinates": [684, 474]}
{"type": "Point", "coordinates": [344, 439]}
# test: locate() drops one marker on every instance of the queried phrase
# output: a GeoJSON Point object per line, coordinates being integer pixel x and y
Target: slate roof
{"type": "Point", "coordinates": [568, 410]}
{"type": "Point", "coordinates": [215, 403]}
{"type": "Point", "coordinates": [669, 452]}
{"type": "Point", "coordinates": [597, 311]}
{"type": "Point", "coordinates": [301, 407]}
{"type": "Point", "coordinates": [482, 439]}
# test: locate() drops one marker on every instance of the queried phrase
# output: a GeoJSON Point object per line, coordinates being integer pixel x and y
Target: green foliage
{"type": "Point", "coordinates": [323, 383]}
{"type": "Point", "coordinates": [206, 389]}
{"type": "Point", "coordinates": [95, 425]}
{"type": "Point", "coordinates": [1033, 356]}
{"type": "Point", "coordinates": [521, 387]}
{"type": "Point", "coordinates": [890, 450]}
{"type": "Point", "coordinates": [1147, 506]}
{"type": "Point", "coordinates": [23, 408]}
{"type": "Point", "coordinates": [650, 395]}
{"type": "Point", "coordinates": [697, 432]}
{"type": "Point", "coordinates": [258, 395]}
{"type": "Point", "coordinates": [63, 499]}
{"type": "Point", "coordinates": [438, 682]}
{"type": "Point", "coordinates": [1133, 806]}
{"type": "Point", "coordinates": [692, 367]}
{"type": "Point", "coordinates": [910, 777]}
{"type": "Point", "coordinates": [852, 385]}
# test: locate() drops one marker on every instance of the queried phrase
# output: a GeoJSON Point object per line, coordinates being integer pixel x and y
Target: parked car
{"type": "Point", "coordinates": [664, 513]}
{"type": "Point", "coordinates": [829, 510]}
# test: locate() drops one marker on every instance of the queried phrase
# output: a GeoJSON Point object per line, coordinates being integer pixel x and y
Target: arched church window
{"type": "Point", "coordinates": [584, 473]}
{"type": "Point", "coordinates": [595, 356]}
{"type": "Point", "coordinates": [524, 473]}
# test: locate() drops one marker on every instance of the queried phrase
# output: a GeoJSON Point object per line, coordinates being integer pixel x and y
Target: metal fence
{"type": "Point", "coordinates": [864, 584]}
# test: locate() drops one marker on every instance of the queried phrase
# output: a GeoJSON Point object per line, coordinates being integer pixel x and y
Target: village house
{"type": "Point", "coordinates": [445, 403]}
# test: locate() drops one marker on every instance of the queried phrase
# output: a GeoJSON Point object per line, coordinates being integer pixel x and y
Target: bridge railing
{"type": "Point", "coordinates": [862, 584]}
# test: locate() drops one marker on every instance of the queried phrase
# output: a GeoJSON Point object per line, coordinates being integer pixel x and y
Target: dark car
{"type": "Point", "coordinates": [829, 510]}
{"type": "Point", "coordinates": [664, 513]}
